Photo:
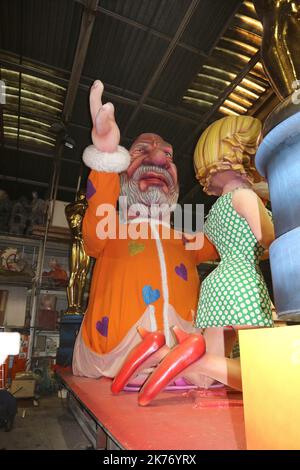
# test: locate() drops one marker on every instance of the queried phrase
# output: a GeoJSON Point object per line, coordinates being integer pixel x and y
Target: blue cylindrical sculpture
{"type": "Point", "coordinates": [278, 159]}
{"type": "Point", "coordinates": [69, 328]}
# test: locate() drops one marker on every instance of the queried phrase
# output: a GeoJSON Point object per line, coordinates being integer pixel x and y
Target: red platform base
{"type": "Point", "coordinates": [194, 420]}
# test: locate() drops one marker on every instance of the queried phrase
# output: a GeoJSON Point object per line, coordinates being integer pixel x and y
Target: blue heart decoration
{"type": "Point", "coordinates": [102, 326]}
{"type": "Point", "coordinates": [150, 295]}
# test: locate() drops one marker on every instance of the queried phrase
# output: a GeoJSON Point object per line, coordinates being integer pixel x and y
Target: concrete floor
{"type": "Point", "coordinates": [50, 426]}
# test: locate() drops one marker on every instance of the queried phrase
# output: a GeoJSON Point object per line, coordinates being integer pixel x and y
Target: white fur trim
{"type": "Point", "coordinates": [152, 318]}
{"type": "Point", "coordinates": [164, 281]}
{"type": "Point", "coordinates": [108, 162]}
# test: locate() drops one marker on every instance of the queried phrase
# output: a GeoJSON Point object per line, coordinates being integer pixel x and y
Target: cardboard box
{"type": "Point", "coordinates": [270, 361]}
{"type": "Point", "coordinates": [23, 388]}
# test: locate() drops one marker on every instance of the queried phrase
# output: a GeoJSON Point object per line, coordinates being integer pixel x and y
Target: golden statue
{"type": "Point", "coordinates": [281, 43]}
{"type": "Point", "coordinates": [79, 260]}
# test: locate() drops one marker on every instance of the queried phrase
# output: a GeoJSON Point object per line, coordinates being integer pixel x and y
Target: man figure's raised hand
{"type": "Point", "coordinates": [105, 132]}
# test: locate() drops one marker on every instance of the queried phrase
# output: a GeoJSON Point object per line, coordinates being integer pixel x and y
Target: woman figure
{"type": "Point", "coordinates": [234, 295]}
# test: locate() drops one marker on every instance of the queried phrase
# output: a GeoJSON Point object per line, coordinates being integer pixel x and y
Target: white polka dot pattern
{"type": "Point", "coordinates": [235, 293]}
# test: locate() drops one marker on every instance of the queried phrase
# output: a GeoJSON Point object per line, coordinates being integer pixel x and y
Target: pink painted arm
{"type": "Point", "coordinates": [105, 132]}
{"type": "Point", "coordinates": [251, 207]}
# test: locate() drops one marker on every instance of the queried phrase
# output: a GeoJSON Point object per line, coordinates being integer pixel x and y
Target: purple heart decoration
{"type": "Point", "coordinates": [150, 295]}
{"type": "Point", "coordinates": [181, 271]}
{"type": "Point", "coordinates": [90, 189]}
{"type": "Point", "coordinates": [102, 326]}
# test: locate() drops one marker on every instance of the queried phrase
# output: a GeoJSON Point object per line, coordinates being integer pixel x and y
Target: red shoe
{"type": "Point", "coordinates": [151, 342]}
{"type": "Point", "coordinates": [191, 347]}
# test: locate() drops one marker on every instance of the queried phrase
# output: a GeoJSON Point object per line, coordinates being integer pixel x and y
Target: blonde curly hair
{"type": "Point", "coordinates": [228, 144]}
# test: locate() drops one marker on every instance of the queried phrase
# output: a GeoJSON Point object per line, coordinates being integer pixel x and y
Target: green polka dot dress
{"type": "Point", "coordinates": [235, 293]}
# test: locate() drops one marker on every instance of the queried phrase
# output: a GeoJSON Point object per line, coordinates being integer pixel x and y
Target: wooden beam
{"type": "Point", "coordinates": [86, 28]}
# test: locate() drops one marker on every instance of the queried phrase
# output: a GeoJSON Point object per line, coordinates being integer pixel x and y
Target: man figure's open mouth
{"type": "Point", "coordinates": [153, 176]}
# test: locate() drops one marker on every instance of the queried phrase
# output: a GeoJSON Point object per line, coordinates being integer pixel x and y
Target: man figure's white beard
{"type": "Point", "coordinates": [153, 202]}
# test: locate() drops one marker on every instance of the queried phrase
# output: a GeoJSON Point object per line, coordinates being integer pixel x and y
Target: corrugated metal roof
{"type": "Point", "coordinates": [208, 22]}
{"type": "Point", "coordinates": [234, 50]}
{"type": "Point", "coordinates": [170, 129]}
{"type": "Point", "coordinates": [160, 15]}
{"type": "Point", "coordinates": [176, 76]}
{"type": "Point", "coordinates": [122, 55]}
{"type": "Point", "coordinates": [31, 105]}
{"type": "Point", "coordinates": [46, 31]}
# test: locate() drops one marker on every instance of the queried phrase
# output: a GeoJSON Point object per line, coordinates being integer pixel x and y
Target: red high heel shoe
{"type": "Point", "coordinates": [151, 342]}
{"type": "Point", "coordinates": [191, 347]}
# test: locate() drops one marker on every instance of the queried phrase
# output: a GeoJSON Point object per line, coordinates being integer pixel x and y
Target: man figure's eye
{"type": "Point", "coordinates": [168, 154]}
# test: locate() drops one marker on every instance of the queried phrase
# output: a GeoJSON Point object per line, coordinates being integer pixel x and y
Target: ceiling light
{"type": "Point", "coordinates": [232, 105]}
{"type": "Point", "coordinates": [22, 118]}
{"type": "Point", "coordinates": [36, 103]}
{"type": "Point", "coordinates": [25, 131]}
{"type": "Point", "coordinates": [230, 75]}
{"type": "Point", "coordinates": [246, 92]}
{"type": "Point", "coordinates": [243, 45]}
{"type": "Point", "coordinates": [225, 110]}
{"type": "Point", "coordinates": [250, 21]}
{"type": "Point", "coordinates": [243, 57]}
{"type": "Point", "coordinates": [203, 93]}
{"type": "Point", "coordinates": [24, 137]}
{"type": "Point", "coordinates": [197, 101]}
{"type": "Point", "coordinates": [253, 85]}
{"type": "Point", "coordinates": [215, 79]}
{"type": "Point", "coordinates": [237, 98]}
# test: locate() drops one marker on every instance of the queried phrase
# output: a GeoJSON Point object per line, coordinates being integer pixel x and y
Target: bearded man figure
{"type": "Point", "coordinates": [140, 278]}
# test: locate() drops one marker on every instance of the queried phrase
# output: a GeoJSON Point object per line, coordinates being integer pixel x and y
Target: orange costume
{"type": "Point", "coordinates": [149, 282]}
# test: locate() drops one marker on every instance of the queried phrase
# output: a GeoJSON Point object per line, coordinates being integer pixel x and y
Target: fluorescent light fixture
{"type": "Point", "coordinates": [246, 92]}
{"type": "Point", "coordinates": [197, 101]}
{"type": "Point", "coordinates": [253, 85]}
{"type": "Point", "coordinates": [236, 107]}
{"type": "Point", "coordinates": [26, 120]}
{"type": "Point", "coordinates": [26, 137]}
{"type": "Point", "coordinates": [250, 21]}
{"type": "Point", "coordinates": [203, 93]}
{"type": "Point", "coordinates": [243, 57]}
{"type": "Point", "coordinates": [243, 45]}
{"type": "Point", "coordinates": [213, 78]}
{"type": "Point", "coordinates": [225, 110]}
{"type": "Point", "coordinates": [33, 94]}
{"type": "Point", "coordinates": [239, 99]}
{"type": "Point", "coordinates": [30, 133]}
{"type": "Point", "coordinates": [230, 75]}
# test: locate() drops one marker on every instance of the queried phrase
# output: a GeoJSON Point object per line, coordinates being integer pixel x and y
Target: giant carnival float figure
{"type": "Point", "coordinates": [140, 285]}
{"type": "Point", "coordinates": [126, 287]}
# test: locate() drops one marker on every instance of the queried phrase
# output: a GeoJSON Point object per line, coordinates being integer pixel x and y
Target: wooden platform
{"type": "Point", "coordinates": [174, 420]}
